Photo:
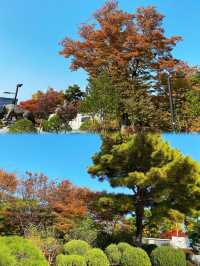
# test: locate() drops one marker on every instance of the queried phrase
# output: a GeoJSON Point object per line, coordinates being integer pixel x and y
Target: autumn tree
{"type": "Point", "coordinates": [129, 47]}
{"type": "Point", "coordinates": [8, 184]}
{"type": "Point", "coordinates": [159, 178]}
{"type": "Point", "coordinates": [68, 203]}
{"type": "Point", "coordinates": [43, 104]}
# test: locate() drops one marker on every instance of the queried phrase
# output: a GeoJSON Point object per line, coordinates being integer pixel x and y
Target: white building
{"type": "Point", "coordinates": [76, 123]}
{"type": "Point", "coordinates": [175, 241]}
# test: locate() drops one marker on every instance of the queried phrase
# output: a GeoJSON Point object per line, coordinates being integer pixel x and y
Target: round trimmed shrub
{"type": "Point", "coordinates": [23, 252]}
{"type": "Point", "coordinates": [70, 260]}
{"type": "Point", "coordinates": [168, 256]}
{"type": "Point", "coordinates": [76, 247]}
{"type": "Point", "coordinates": [135, 257]}
{"type": "Point", "coordinates": [6, 259]}
{"type": "Point", "coordinates": [123, 247]}
{"type": "Point", "coordinates": [96, 257]}
{"type": "Point", "coordinates": [22, 126]}
{"type": "Point", "coordinates": [113, 254]}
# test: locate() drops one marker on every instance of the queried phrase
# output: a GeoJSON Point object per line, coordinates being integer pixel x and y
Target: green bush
{"type": "Point", "coordinates": [96, 257]}
{"type": "Point", "coordinates": [6, 259]}
{"type": "Point", "coordinates": [113, 254]}
{"type": "Point", "coordinates": [70, 260]}
{"type": "Point", "coordinates": [90, 125]}
{"type": "Point", "coordinates": [123, 247]}
{"type": "Point", "coordinates": [54, 124]}
{"type": "Point", "coordinates": [22, 126]}
{"type": "Point", "coordinates": [21, 252]}
{"type": "Point", "coordinates": [135, 257]}
{"type": "Point", "coordinates": [76, 247]}
{"type": "Point", "coordinates": [168, 256]}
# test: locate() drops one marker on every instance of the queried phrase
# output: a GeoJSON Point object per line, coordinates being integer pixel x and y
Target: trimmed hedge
{"type": "Point", "coordinates": [20, 252]}
{"type": "Point", "coordinates": [113, 254]}
{"type": "Point", "coordinates": [96, 257]}
{"type": "Point", "coordinates": [135, 257]}
{"type": "Point", "coordinates": [70, 260]}
{"type": "Point", "coordinates": [168, 256]}
{"type": "Point", "coordinates": [76, 247]}
{"type": "Point", "coordinates": [123, 247]}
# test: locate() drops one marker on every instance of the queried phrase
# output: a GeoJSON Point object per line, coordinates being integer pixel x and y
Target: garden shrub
{"type": "Point", "coordinates": [6, 259]}
{"type": "Point", "coordinates": [113, 254]}
{"type": "Point", "coordinates": [91, 125]}
{"type": "Point", "coordinates": [168, 256]}
{"type": "Point", "coordinates": [123, 247]}
{"type": "Point", "coordinates": [23, 252]}
{"type": "Point", "coordinates": [70, 260]}
{"type": "Point", "coordinates": [96, 257]}
{"type": "Point", "coordinates": [22, 126]}
{"type": "Point", "coordinates": [133, 256]}
{"type": "Point", "coordinates": [76, 247]}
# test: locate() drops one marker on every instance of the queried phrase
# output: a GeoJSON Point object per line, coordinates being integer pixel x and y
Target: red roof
{"type": "Point", "coordinates": [170, 234]}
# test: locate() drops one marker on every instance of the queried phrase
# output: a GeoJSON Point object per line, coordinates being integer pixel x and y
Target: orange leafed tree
{"type": "Point", "coordinates": [8, 184]}
{"type": "Point", "coordinates": [68, 203]}
{"type": "Point", "coordinates": [129, 44]}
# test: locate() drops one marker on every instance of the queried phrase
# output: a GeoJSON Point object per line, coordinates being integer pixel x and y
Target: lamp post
{"type": "Point", "coordinates": [19, 85]}
{"type": "Point", "coordinates": [171, 104]}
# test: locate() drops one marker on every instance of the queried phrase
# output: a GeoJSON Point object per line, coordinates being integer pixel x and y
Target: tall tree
{"type": "Point", "coordinates": [157, 176]}
{"type": "Point", "coordinates": [129, 43]}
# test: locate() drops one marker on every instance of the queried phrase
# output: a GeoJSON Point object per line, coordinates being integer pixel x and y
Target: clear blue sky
{"type": "Point", "coordinates": [68, 156]}
{"type": "Point", "coordinates": [31, 30]}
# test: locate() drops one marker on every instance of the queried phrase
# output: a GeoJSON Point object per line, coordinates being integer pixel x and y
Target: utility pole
{"type": "Point", "coordinates": [171, 102]}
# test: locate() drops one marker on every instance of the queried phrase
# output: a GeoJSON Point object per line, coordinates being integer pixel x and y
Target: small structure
{"type": "Point", "coordinates": [76, 123]}
{"type": "Point", "coordinates": [175, 238]}
{"type": "Point", "coordinates": [4, 101]}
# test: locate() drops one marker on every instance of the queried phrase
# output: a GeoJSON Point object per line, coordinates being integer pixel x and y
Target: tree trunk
{"type": "Point", "coordinates": [139, 212]}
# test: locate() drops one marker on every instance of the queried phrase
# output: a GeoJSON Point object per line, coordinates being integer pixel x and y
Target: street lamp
{"type": "Point", "coordinates": [173, 119]}
{"type": "Point", "coordinates": [19, 85]}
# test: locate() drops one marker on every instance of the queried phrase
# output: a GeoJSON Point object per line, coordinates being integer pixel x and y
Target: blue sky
{"type": "Point", "coordinates": [68, 156]}
{"type": "Point", "coordinates": [31, 30]}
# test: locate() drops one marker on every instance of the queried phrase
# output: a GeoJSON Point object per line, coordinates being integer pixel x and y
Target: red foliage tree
{"type": "Point", "coordinates": [43, 104]}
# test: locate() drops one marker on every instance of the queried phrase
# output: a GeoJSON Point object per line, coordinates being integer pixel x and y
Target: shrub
{"type": "Point", "coordinates": [70, 260]}
{"type": "Point", "coordinates": [6, 259]}
{"type": "Point", "coordinates": [168, 256]}
{"type": "Point", "coordinates": [22, 126]}
{"type": "Point", "coordinates": [96, 257]}
{"type": "Point", "coordinates": [23, 252]}
{"type": "Point", "coordinates": [91, 125]}
{"type": "Point", "coordinates": [76, 247]}
{"type": "Point", "coordinates": [135, 257]}
{"type": "Point", "coordinates": [123, 247]}
{"type": "Point", "coordinates": [54, 124]}
{"type": "Point", "coordinates": [113, 254]}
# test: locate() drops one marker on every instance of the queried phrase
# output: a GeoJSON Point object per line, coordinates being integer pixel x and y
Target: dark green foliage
{"type": "Point", "coordinates": [20, 252]}
{"type": "Point", "coordinates": [54, 124]}
{"type": "Point", "coordinates": [149, 248]}
{"type": "Point", "coordinates": [85, 230]}
{"type": "Point", "coordinates": [22, 126]}
{"type": "Point", "coordinates": [96, 257]}
{"type": "Point", "coordinates": [76, 247]}
{"type": "Point", "coordinates": [70, 260]}
{"type": "Point", "coordinates": [113, 254]}
{"type": "Point", "coordinates": [135, 257]}
{"type": "Point", "coordinates": [168, 256]}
